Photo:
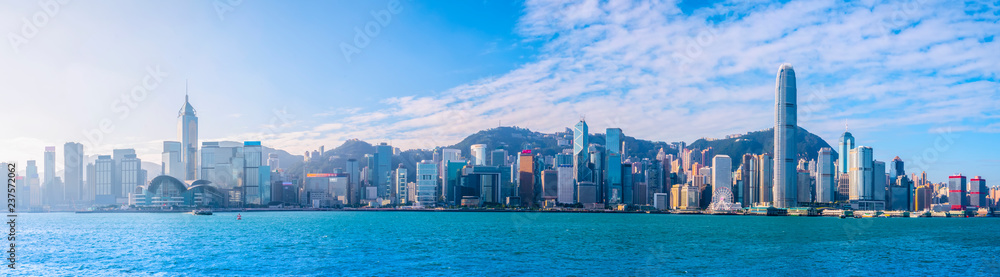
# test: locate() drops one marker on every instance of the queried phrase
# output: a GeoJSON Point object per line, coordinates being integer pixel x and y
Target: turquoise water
{"type": "Point", "coordinates": [491, 244]}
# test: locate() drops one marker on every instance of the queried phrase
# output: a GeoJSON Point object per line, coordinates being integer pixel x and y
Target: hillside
{"type": "Point", "coordinates": [515, 139]}
{"type": "Point", "coordinates": [762, 142]}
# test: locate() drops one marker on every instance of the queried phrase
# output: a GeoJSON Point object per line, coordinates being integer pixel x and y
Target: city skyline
{"type": "Point", "coordinates": [898, 123]}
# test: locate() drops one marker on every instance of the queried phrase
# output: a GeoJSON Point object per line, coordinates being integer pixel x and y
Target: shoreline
{"type": "Point", "coordinates": [835, 213]}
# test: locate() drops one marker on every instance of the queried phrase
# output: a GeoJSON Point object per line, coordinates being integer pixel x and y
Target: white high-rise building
{"type": "Point", "coordinates": [478, 154]}
{"type": "Point", "coordinates": [860, 166]}
{"type": "Point", "coordinates": [722, 172]}
{"type": "Point", "coordinates": [785, 174]}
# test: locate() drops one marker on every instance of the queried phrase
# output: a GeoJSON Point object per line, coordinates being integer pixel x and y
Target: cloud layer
{"type": "Point", "coordinates": [660, 73]}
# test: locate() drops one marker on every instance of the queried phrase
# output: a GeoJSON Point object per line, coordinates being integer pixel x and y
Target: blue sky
{"type": "Point", "coordinates": [915, 79]}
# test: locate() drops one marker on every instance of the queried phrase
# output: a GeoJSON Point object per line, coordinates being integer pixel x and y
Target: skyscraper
{"type": "Point", "coordinates": [73, 171]}
{"type": "Point", "coordinates": [354, 179]}
{"type": "Point", "coordinates": [564, 170]}
{"type": "Point", "coordinates": [722, 173]}
{"type": "Point", "coordinates": [879, 181]}
{"type": "Point", "coordinates": [383, 170]}
{"type": "Point", "coordinates": [896, 168]}
{"type": "Point", "coordinates": [766, 184]}
{"type": "Point", "coordinates": [104, 189]}
{"type": "Point", "coordinates": [50, 188]}
{"type": "Point", "coordinates": [251, 173]}
{"type": "Point", "coordinates": [785, 174]}
{"type": "Point", "coordinates": [399, 183]}
{"type": "Point", "coordinates": [34, 185]}
{"type": "Point", "coordinates": [427, 175]}
{"type": "Point", "coordinates": [826, 190]}
{"type": "Point", "coordinates": [956, 192]}
{"type": "Point", "coordinates": [613, 140]}
{"type": "Point", "coordinates": [581, 147]}
{"type": "Point", "coordinates": [526, 178]}
{"type": "Point", "coordinates": [845, 147]}
{"type": "Point", "coordinates": [130, 174]}
{"type": "Point", "coordinates": [861, 171]}
{"type": "Point", "coordinates": [977, 192]}
{"type": "Point", "coordinates": [187, 131]}
{"type": "Point", "coordinates": [498, 157]}
{"type": "Point", "coordinates": [478, 152]}
{"type": "Point", "coordinates": [172, 161]}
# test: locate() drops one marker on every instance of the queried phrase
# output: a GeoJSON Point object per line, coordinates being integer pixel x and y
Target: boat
{"type": "Point", "coordinates": [843, 216]}
{"type": "Point", "coordinates": [201, 212]}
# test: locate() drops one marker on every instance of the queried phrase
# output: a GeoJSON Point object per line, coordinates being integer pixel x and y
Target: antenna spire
{"type": "Point", "coordinates": [185, 90]}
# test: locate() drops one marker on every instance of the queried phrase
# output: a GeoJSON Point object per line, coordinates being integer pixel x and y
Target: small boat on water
{"type": "Point", "coordinates": [201, 212]}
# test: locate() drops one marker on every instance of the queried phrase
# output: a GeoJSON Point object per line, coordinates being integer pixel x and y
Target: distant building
{"type": "Point", "coordinates": [581, 147]}
{"type": "Point", "coordinates": [826, 189]}
{"type": "Point", "coordinates": [804, 187]}
{"type": "Point", "coordinates": [550, 184]}
{"type": "Point", "coordinates": [661, 201]}
{"type": "Point", "coordinates": [880, 181]}
{"type": "Point", "coordinates": [614, 183]}
{"type": "Point", "coordinates": [923, 197]}
{"type": "Point", "coordinates": [478, 152]}
{"type": "Point", "coordinates": [956, 192]}
{"type": "Point", "coordinates": [172, 160]}
{"type": "Point", "coordinates": [564, 174]}
{"type": "Point", "coordinates": [861, 174]}
{"type": "Point", "coordinates": [427, 177]}
{"type": "Point", "coordinates": [845, 146]}
{"type": "Point", "coordinates": [399, 185]}
{"type": "Point", "coordinates": [382, 171]}
{"type": "Point", "coordinates": [498, 157]}
{"type": "Point", "coordinates": [526, 178]}
{"type": "Point", "coordinates": [272, 160]}
{"type": "Point", "coordinates": [252, 185]}
{"type": "Point", "coordinates": [131, 175]}
{"type": "Point", "coordinates": [978, 192]}
{"type": "Point", "coordinates": [187, 131]}
{"type": "Point", "coordinates": [766, 178]}
{"type": "Point", "coordinates": [722, 172]}
{"type": "Point", "coordinates": [53, 193]}
{"type": "Point", "coordinates": [104, 189]}
{"type": "Point", "coordinates": [73, 172]}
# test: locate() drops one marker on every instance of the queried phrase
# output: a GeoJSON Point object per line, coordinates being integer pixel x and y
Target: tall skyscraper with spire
{"type": "Point", "coordinates": [187, 129]}
{"type": "Point", "coordinates": [785, 174]}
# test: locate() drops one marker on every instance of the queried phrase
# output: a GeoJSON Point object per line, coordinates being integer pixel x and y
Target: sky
{"type": "Point", "coordinates": [914, 79]}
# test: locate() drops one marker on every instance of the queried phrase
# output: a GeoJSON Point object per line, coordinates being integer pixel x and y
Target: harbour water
{"type": "Point", "coordinates": [494, 243]}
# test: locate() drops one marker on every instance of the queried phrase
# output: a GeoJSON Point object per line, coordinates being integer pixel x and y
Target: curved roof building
{"type": "Point", "coordinates": [167, 191]}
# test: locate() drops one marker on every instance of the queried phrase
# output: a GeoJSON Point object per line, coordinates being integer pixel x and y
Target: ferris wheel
{"type": "Point", "coordinates": [722, 200]}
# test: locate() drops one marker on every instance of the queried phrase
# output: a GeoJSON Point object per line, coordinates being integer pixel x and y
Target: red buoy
{"type": "Point", "coordinates": [238, 217]}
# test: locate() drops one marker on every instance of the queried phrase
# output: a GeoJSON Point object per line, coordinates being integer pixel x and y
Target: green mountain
{"type": "Point", "coordinates": [760, 142]}
{"type": "Point", "coordinates": [514, 139]}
